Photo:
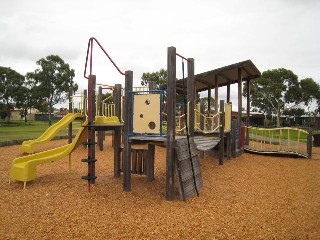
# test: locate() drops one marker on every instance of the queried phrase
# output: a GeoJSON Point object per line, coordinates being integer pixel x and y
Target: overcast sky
{"type": "Point", "coordinates": [136, 34]}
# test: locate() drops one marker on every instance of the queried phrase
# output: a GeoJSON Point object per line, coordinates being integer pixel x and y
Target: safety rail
{"type": "Point", "coordinates": [278, 140]}
{"type": "Point", "coordinates": [140, 89]}
{"type": "Point", "coordinates": [206, 124]}
{"type": "Point", "coordinates": [77, 107]}
{"type": "Point", "coordinates": [180, 124]}
{"type": "Point", "coordinates": [109, 110]}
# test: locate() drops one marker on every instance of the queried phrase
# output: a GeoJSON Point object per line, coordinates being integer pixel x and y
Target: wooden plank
{"type": "Point", "coordinates": [150, 161]}
{"type": "Point", "coordinates": [309, 144]}
{"type": "Point", "coordinates": [248, 113]}
{"type": "Point", "coordinates": [70, 111]}
{"type": "Point", "coordinates": [216, 94]}
{"type": "Point", "coordinates": [191, 95]}
{"type": "Point", "coordinates": [117, 132]}
{"type": "Point", "coordinates": [171, 103]}
{"type": "Point", "coordinates": [221, 133]}
{"type": "Point", "coordinates": [139, 161]}
{"type": "Point", "coordinates": [233, 138]}
{"type": "Point", "coordinates": [239, 105]}
{"type": "Point", "coordinates": [99, 110]}
{"type": "Point", "coordinates": [127, 129]}
{"type": "Point", "coordinates": [133, 161]}
{"type": "Point", "coordinates": [145, 162]}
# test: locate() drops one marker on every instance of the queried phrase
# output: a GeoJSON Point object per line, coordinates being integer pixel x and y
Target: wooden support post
{"type": "Point", "coordinates": [248, 113]}
{"type": "Point", "coordinates": [233, 137]}
{"type": "Point", "coordinates": [171, 104]}
{"type": "Point", "coordinates": [99, 110]}
{"type": "Point", "coordinates": [202, 119]}
{"type": "Point", "coordinates": [228, 136]}
{"type": "Point", "coordinates": [128, 111]}
{"type": "Point", "coordinates": [91, 177]}
{"type": "Point", "coordinates": [70, 124]}
{"type": "Point", "coordinates": [150, 162]}
{"type": "Point", "coordinates": [309, 144]}
{"type": "Point", "coordinates": [70, 111]}
{"type": "Point", "coordinates": [216, 94]}
{"type": "Point", "coordinates": [221, 133]}
{"type": "Point", "coordinates": [209, 101]}
{"type": "Point", "coordinates": [191, 96]}
{"type": "Point", "coordinates": [239, 105]}
{"type": "Point", "coordinates": [117, 132]}
{"type": "Point", "coordinates": [228, 92]}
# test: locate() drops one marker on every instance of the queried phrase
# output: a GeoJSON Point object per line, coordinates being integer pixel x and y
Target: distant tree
{"type": "Point", "coordinates": [273, 91]}
{"type": "Point", "coordinates": [10, 88]}
{"type": "Point", "coordinates": [159, 78]}
{"type": "Point", "coordinates": [52, 80]}
{"type": "Point", "coordinates": [310, 92]}
{"type": "Point", "coordinates": [28, 98]}
{"type": "Point", "coordinates": [205, 102]}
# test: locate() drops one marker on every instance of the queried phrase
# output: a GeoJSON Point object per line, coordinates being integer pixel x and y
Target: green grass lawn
{"type": "Point", "coordinates": [18, 130]}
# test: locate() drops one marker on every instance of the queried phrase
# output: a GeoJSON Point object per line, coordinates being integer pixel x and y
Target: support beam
{"type": "Point", "coordinates": [209, 102]}
{"type": "Point", "coordinates": [228, 92]}
{"type": "Point", "coordinates": [171, 104]}
{"type": "Point", "coordinates": [117, 132]}
{"type": "Point", "coordinates": [216, 93]}
{"type": "Point", "coordinates": [191, 96]}
{"type": "Point", "coordinates": [70, 111]}
{"type": "Point", "coordinates": [239, 105]}
{"type": "Point", "coordinates": [128, 110]}
{"type": "Point", "coordinates": [221, 133]}
{"type": "Point", "coordinates": [248, 113]}
{"type": "Point", "coordinates": [99, 110]}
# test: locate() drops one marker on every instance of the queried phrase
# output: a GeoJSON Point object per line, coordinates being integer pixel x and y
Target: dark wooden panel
{"type": "Point", "coordinates": [188, 169]}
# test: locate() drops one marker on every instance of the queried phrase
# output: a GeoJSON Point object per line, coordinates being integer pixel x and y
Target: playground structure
{"type": "Point", "coordinates": [138, 118]}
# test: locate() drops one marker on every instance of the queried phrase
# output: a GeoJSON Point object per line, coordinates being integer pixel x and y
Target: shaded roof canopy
{"type": "Point", "coordinates": [225, 75]}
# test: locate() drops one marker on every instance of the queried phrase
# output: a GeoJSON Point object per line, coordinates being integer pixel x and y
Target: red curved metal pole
{"type": "Point", "coordinates": [90, 44]}
{"type": "Point", "coordinates": [182, 57]}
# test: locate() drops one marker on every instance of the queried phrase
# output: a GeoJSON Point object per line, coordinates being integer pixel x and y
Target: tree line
{"type": "Point", "coordinates": [41, 89]}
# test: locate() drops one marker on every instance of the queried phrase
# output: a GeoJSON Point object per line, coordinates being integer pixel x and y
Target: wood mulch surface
{"type": "Point", "coordinates": [249, 197]}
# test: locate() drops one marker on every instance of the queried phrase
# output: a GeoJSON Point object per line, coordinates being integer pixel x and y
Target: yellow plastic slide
{"type": "Point", "coordinates": [24, 168]}
{"type": "Point", "coordinates": [30, 145]}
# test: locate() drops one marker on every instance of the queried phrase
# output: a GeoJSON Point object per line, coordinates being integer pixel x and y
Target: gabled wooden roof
{"type": "Point", "coordinates": [225, 75]}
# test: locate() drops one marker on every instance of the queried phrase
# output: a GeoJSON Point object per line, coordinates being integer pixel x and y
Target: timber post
{"type": "Point", "coordinates": [233, 137]}
{"type": "Point", "coordinates": [239, 105]}
{"type": "Point", "coordinates": [309, 143]}
{"type": "Point", "coordinates": [117, 132]}
{"type": "Point", "coordinates": [171, 103]}
{"type": "Point", "coordinates": [128, 112]}
{"type": "Point", "coordinates": [248, 113]}
{"type": "Point", "coordinates": [191, 96]}
{"type": "Point", "coordinates": [99, 105]}
{"type": "Point", "coordinates": [221, 133]}
{"type": "Point", "coordinates": [70, 111]}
